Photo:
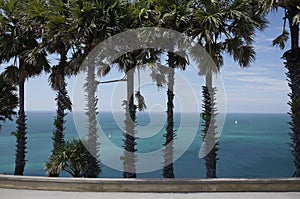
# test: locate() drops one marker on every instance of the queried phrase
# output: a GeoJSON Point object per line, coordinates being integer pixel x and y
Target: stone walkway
{"type": "Point", "coordinates": [32, 194]}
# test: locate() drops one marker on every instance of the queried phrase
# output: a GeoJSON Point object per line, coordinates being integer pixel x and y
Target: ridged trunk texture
{"type": "Point", "coordinates": [168, 171]}
{"type": "Point", "coordinates": [58, 134]}
{"type": "Point", "coordinates": [62, 103]}
{"type": "Point", "coordinates": [294, 28]}
{"type": "Point", "coordinates": [21, 126]}
{"type": "Point", "coordinates": [129, 159]}
{"type": "Point", "coordinates": [209, 131]}
{"type": "Point", "coordinates": [92, 144]}
{"type": "Point", "coordinates": [292, 63]}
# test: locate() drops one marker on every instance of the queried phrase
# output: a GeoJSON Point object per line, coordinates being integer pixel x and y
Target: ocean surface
{"type": "Point", "coordinates": [250, 145]}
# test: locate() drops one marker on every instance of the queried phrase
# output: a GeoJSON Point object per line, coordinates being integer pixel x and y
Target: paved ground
{"type": "Point", "coordinates": [30, 194]}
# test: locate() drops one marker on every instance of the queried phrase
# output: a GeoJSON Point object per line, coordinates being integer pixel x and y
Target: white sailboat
{"type": "Point", "coordinates": [236, 122]}
{"type": "Point", "coordinates": [109, 136]}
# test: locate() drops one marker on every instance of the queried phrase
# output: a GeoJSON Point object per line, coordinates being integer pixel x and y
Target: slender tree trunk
{"type": "Point", "coordinates": [294, 28]}
{"type": "Point", "coordinates": [168, 171]}
{"type": "Point", "coordinates": [63, 103]}
{"type": "Point", "coordinates": [58, 135]}
{"type": "Point", "coordinates": [21, 126]}
{"type": "Point", "coordinates": [209, 131]}
{"type": "Point", "coordinates": [92, 144]}
{"type": "Point", "coordinates": [129, 162]}
{"type": "Point", "coordinates": [293, 65]}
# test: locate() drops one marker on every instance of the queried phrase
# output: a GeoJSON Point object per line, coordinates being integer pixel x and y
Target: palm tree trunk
{"type": "Point", "coordinates": [58, 136]}
{"type": "Point", "coordinates": [294, 30]}
{"type": "Point", "coordinates": [168, 171]}
{"type": "Point", "coordinates": [293, 65]}
{"type": "Point", "coordinates": [209, 131]}
{"type": "Point", "coordinates": [21, 126]}
{"type": "Point", "coordinates": [92, 145]}
{"type": "Point", "coordinates": [62, 103]}
{"type": "Point", "coordinates": [129, 142]}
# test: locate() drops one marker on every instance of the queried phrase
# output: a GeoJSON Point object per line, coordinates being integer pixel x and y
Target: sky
{"type": "Point", "coordinates": [262, 88]}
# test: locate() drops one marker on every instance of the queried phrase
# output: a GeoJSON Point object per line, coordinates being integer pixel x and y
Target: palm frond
{"type": "Point", "coordinates": [246, 56]}
{"type": "Point", "coordinates": [296, 19]}
{"type": "Point", "coordinates": [8, 99]}
{"type": "Point", "coordinates": [11, 73]}
{"type": "Point", "coordinates": [281, 39]}
{"type": "Point", "coordinates": [141, 101]}
{"type": "Point", "coordinates": [104, 70]}
{"type": "Point", "coordinates": [159, 74]}
{"type": "Point", "coordinates": [55, 80]}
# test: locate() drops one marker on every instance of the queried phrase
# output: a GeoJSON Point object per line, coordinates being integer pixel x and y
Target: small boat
{"type": "Point", "coordinates": [109, 136]}
{"type": "Point", "coordinates": [236, 122]}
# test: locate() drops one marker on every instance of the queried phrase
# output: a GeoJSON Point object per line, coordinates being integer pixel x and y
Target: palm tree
{"type": "Point", "coordinates": [127, 63]}
{"type": "Point", "coordinates": [19, 43]}
{"type": "Point", "coordinates": [82, 20]}
{"type": "Point", "coordinates": [130, 122]}
{"type": "Point", "coordinates": [49, 18]}
{"type": "Point", "coordinates": [174, 16]}
{"type": "Point", "coordinates": [223, 27]}
{"type": "Point", "coordinates": [58, 41]}
{"type": "Point", "coordinates": [292, 15]}
{"type": "Point", "coordinates": [93, 22]}
{"type": "Point", "coordinates": [171, 15]}
{"type": "Point", "coordinates": [8, 99]}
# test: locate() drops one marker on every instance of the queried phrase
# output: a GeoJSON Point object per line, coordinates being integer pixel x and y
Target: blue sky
{"type": "Point", "coordinates": [262, 88]}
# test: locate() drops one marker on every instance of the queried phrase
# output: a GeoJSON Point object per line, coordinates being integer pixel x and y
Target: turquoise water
{"type": "Point", "coordinates": [255, 147]}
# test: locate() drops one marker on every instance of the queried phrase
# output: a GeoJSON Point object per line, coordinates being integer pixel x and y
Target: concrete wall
{"type": "Point", "coordinates": [150, 185]}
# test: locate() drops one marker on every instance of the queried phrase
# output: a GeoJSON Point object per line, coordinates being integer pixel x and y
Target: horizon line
{"type": "Point", "coordinates": [106, 111]}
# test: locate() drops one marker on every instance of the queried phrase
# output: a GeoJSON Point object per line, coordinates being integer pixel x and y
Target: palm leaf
{"type": "Point", "coordinates": [8, 99]}
{"type": "Point", "coordinates": [141, 101]}
{"type": "Point", "coordinates": [281, 40]}
{"type": "Point", "coordinates": [296, 19]}
{"type": "Point", "coordinates": [104, 70]}
{"type": "Point", "coordinates": [11, 73]}
{"type": "Point", "coordinates": [246, 56]}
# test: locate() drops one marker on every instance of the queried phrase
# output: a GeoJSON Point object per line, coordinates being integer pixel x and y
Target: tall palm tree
{"type": "Point", "coordinates": [109, 21]}
{"type": "Point", "coordinates": [86, 19]}
{"type": "Point", "coordinates": [50, 19]}
{"type": "Point", "coordinates": [19, 43]}
{"type": "Point", "coordinates": [57, 41]}
{"type": "Point", "coordinates": [223, 27]}
{"type": "Point", "coordinates": [130, 122]}
{"type": "Point", "coordinates": [94, 21]}
{"type": "Point", "coordinates": [292, 15]}
{"type": "Point", "coordinates": [128, 63]}
{"type": "Point", "coordinates": [173, 15]}
{"type": "Point", "coordinates": [8, 100]}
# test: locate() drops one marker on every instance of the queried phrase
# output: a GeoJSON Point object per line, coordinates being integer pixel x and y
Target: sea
{"type": "Point", "coordinates": [250, 145]}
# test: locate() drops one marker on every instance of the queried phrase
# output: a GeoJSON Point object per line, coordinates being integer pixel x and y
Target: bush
{"type": "Point", "coordinates": [70, 157]}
